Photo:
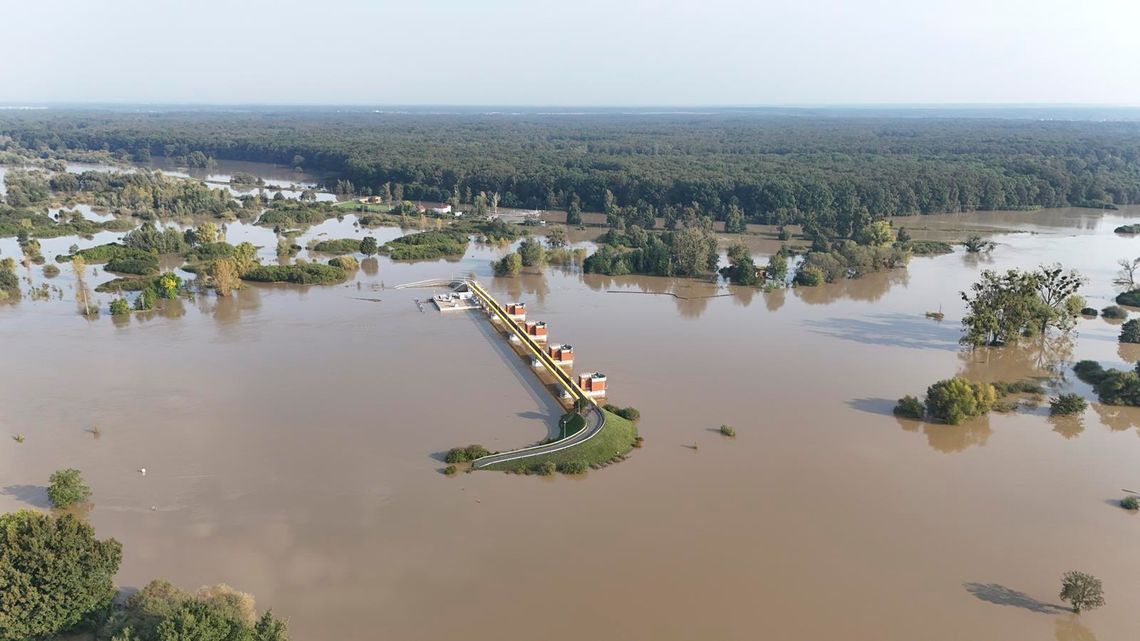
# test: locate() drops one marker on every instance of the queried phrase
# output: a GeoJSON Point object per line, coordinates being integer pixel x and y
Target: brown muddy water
{"type": "Point", "coordinates": [292, 438]}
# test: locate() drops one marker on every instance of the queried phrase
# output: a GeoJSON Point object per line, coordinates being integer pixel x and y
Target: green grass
{"type": "Point", "coordinates": [353, 205]}
{"type": "Point", "coordinates": [427, 245]}
{"type": "Point", "coordinates": [615, 439]}
{"type": "Point", "coordinates": [303, 274]}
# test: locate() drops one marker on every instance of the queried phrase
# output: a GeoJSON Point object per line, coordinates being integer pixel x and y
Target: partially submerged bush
{"type": "Point", "coordinates": [1129, 298]}
{"type": "Point", "coordinates": [345, 262]}
{"type": "Point", "coordinates": [120, 307]}
{"type": "Point", "coordinates": [1114, 312]}
{"type": "Point", "coordinates": [1090, 372]}
{"type": "Point", "coordinates": [1130, 331]}
{"type": "Point", "coordinates": [727, 430]}
{"type": "Point", "coordinates": [573, 467]}
{"type": "Point", "coordinates": [1018, 387]}
{"type": "Point", "coordinates": [66, 488]}
{"type": "Point", "coordinates": [300, 274]}
{"type": "Point", "coordinates": [1089, 311]}
{"type": "Point", "coordinates": [51, 271]}
{"type": "Point", "coordinates": [546, 468]}
{"type": "Point", "coordinates": [450, 470]}
{"type": "Point", "coordinates": [910, 407]}
{"type": "Point", "coordinates": [956, 399]}
{"type": "Point", "coordinates": [1130, 502]}
{"type": "Point", "coordinates": [1067, 404]}
{"type": "Point", "coordinates": [465, 454]}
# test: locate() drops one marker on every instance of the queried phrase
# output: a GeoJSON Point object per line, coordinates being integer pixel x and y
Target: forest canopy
{"type": "Point", "coordinates": [829, 171]}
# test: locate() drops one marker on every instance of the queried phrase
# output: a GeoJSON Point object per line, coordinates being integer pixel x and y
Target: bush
{"type": "Point", "coordinates": [1130, 298]}
{"type": "Point", "coordinates": [1089, 311]}
{"type": "Point", "coordinates": [300, 274]}
{"type": "Point", "coordinates": [1114, 312]}
{"type": "Point", "coordinates": [1066, 404]}
{"type": "Point", "coordinates": [1130, 331]}
{"type": "Point", "coordinates": [957, 399]}
{"type": "Point", "coordinates": [66, 488]}
{"type": "Point", "coordinates": [51, 271]}
{"type": "Point", "coordinates": [573, 467]}
{"type": "Point", "coordinates": [1130, 503]}
{"type": "Point", "coordinates": [345, 262]}
{"type": "Point", "coordinates": [532, 252]}
{"type": "Point", "coordinates": [339, 246]}
{"type": "Point", "coordinates": [628, 413]}
{"type": "Point", "coordinates": [546, 468]}
{"type": "Point", "coordinates": [1019, 387]}
{"type": "Point", "coordinates": [509, 265]}
{"type": "Point", "coordinates": [146, 299]}
{"type": "Point", "coordinates": [727, 430]}
{"type": "Point", "coordinates": [450, 470]}
{"type": "Point", "coordinates": [428, 245]}
{"type": "Point", "coordinates": [910, 407]}
{"type": "Point", "coordinates": [1090, 372]}
{"type": "Point", "coordinates": [139, 265]}
{"type": "Point", "coordinates": [809, 276]}
{"type": "Point", "coordinates": [1128, 229]}
{"type": "Point", "coordinates": [465, 454]}
{"type": "Point", "coordinates": [120, 307]}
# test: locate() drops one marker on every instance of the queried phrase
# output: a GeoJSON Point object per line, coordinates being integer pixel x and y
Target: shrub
{"type": "Point", "coordinates": [573, 467]}
{"type": "Point", "coordinates": [450, 470]}
{"type": "Point", "coordinates": [339, 246]}
{"type": "Point", "coordinates": [910, 407]}
{"type": "Point", "coordinates": [1127, 229]}
{"type": "Point", "coordinates": [345, 262]}
{"type": "Point", "coordinates": [139, 265]}
{"type": "Point", "coordinates": [1090, 372]}
{"type": "Point", "coordinates": [120, 307]}
{"type": "Point", "coordinates": [1130, 502]}
{"type": "Point", "coordinates": [66, 488]}
{"type": "Point", "coordinates": [531, 252]}
{"type": "Point", "coordinates": [809, 276]}
{"type": "Point", "coordinates": [509, 265]}
{"type": "Point", "coordinates": [51, 271]}
{"type": "Point", "coordinates": [1130, 331]}
{"type": "Point", "coordinates": [1019, 387]}
{"type": "Point", "coordinates": [465, 454]}
{"type": "Point", "coordinates": [628, 413]}
{"type": "Point", "coordinates": [546, 468]}
{"type": "Point", "coordinates": [1114, 312]}
{"type": "Point", "coordinates": [368, 246]}
{"type": "Point", "coordinates": [476, 452]}
{"type": "Point", "coordinates": [428, 245]}
{"type": "Point", "coordinates": [1089, 311]}
{"type": "Point", "coordinates": [1067, 404]}
{"type": "Point", "coordinates": [300, 274]}
{"type": "Point", "coordinates": [957, 399]}
{"type": "Point", "coordinates": [727, 430]}
{"type": "Point", "coordinates": [1129, 298]}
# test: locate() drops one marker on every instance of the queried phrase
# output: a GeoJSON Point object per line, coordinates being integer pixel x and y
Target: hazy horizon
{"type": "Point", "coordinates": [539, 53]}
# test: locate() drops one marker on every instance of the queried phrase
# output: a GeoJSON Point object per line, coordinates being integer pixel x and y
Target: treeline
{"type": "Point", "coordinates": [826, 171]}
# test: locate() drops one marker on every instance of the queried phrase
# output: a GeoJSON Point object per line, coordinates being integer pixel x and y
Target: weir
{"type": "Point", "coordinates": [595, 416]}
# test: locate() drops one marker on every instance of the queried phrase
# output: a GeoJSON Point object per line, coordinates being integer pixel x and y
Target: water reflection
{"type": "Point", "coordinates": [1069, 427]}
{"type": "Point", "coordinates": [893, 330]}
{"type": "Point", "coordinates": [869, 288]}
{"type": "Point", "coordinates": [1042, 356]}
{"type": "Point", "coordinates": [1117, 418]}
{"type": "Point", "coordinates": [1069, 628]}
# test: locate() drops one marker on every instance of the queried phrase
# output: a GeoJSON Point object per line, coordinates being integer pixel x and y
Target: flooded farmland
{"type": "Point", "coordinates": [292, 438]}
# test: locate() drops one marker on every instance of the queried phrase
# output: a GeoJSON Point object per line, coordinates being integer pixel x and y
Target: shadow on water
{"type": "Point", "coordinates": [34, 495]}
{"type": "Point", "coordinates": [880, 406]}
{"type": "Point", "coordinates": [893, 330]}
{"type": "Point", "coordinates": [1000, 595]}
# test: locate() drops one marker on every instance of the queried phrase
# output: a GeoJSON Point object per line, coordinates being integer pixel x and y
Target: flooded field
{"type": "Point", "coordinates": [292, 437]}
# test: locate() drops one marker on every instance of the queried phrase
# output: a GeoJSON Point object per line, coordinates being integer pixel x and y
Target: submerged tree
{"type": "Point", "coordinates": [1082, 591]}
{"type": "Point", "coordinates": [1004, 307]}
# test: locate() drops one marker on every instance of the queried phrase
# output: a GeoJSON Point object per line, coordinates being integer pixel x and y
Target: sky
{"type": "Point", "coordinates": [570, 52]}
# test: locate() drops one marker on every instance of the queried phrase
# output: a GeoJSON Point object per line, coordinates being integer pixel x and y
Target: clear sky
{"type": "Point", "coordinates": [571, 52]}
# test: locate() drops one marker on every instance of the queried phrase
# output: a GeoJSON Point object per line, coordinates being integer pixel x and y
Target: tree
{"type": "Point", "coordinates": [741, 269]}
{"type": "Point", "coordinates": [574, 211]}
{"type": "Point", "coordinates": [777, 269]}
{"type": "Point", "coordinates": [206, 233]}
{"type": "Point", "coordinates": [53, 574]}
{"type": "Point", "coordinates": [368, 246]}
{"type": "Point", "coordinates": [510, 265]}
{"type": "Point", "coordinates": [1130, 331]}
{"type": "Point", "coordinates": [200, 621]}
{"type": "Point", "coordinates": [225, 276]}
{"type": "Point", "coordinates": [974, 244]}
{"type": "Point", "coordinates": [120, 307]}
{"type": "Point", "coordinates": [1003, 307]}
{"type": "Point", "coordinates": [734, 220]}
{"type": "Point", "coordinates": [556, 237]}
{"type": "Point", "coordinates": [531, 252]}
{"type": "Point", "coordinates": [168, 285]}
{"type": "Point", "coordinates": [66, 488]}
{"type": "Point", "coordinates": [876, 233]}
{"type": "Point", "coordinates": [1127, 273]}
{"type": "Point", "coordinates": [956, 399]}
{"type": "Point", "coordinates": [1082, 591]}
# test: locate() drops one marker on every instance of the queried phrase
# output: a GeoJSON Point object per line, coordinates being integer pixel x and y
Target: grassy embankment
{"type": "Point", "coordinates": [616, 439]}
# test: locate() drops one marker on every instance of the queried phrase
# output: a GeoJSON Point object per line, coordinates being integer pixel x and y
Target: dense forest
{"type": "Point", "coordinates": [829, 171]}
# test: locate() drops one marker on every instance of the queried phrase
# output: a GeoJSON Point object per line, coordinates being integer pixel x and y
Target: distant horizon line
{"type": "Point", "coordinates": [24, 104]}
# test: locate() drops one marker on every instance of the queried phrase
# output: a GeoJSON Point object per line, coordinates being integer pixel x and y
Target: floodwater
{"type": "Point", "coordinates": [292, 439]}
